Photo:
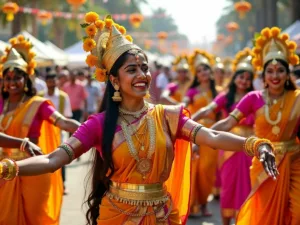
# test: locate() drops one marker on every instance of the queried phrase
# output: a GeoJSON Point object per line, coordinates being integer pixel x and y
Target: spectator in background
{"type": "Point", "coordinates": [78, 97]}
{"type": "Point", "coordinates": [81, 76]}
{"type": "Point", "coordinates": [94, 96]}
{"type": "Point", "coordinates": [154, 91]}
{"type": "Point", "coordinates": [40, 85]}
{"type": "Point", "coordinates": [61, 102]}
{"type": "Point", "coordinates": [163, 79]}
{"type": "Point", "coordinates": [63, 78]}
{"type": "Point", "coordinates": [258, 82]}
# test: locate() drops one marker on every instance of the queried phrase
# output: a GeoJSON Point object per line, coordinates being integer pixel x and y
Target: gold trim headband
{"type": "Point", "coordinates": [19, 55]}
{"type": "Point", "coordinates": [106, 41]}
{"type": "Point", "coordinates": [200, 57]}
{"type": "Point", "coordinates": [271, 44]}
{"type": "Point", "coordinates": [243, 61]}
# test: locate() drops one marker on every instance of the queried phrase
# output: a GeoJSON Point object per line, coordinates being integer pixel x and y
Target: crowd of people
{"type": "Point", "coordinates": [163, 138]}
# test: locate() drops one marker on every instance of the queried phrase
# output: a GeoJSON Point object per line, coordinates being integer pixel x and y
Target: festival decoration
{"type": "Point", "coordinates": [148, 44]}
{"type": "Point", "coordinates": [220, 37]}
{"type": "Point", "coordinates": [10, 9]}
{"type": "Point", "coordinates": [242, 7]}
{"type": "Point", "coordinates": [76, 3]}
{"type": "Point", "coordinates": [232, 27]}
{"type": "Point", "coordinates": [136, 19]}
{"type": "Point", "coordinates": [44, 17]}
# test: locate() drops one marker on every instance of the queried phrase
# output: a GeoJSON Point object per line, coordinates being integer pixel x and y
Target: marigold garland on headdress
{"type": "Point", "coordinates": [200, 57]}
{"type": "Point", "coordinates": [243, 60]}
{"type": "Point", "coordinates": [181, 62]}
{"type": "Point", "coordinates": [97, 34]}
{"type": "Point", "coordinates": [23, 47]}
{"type": "Point", "coordinates": [271, 44]}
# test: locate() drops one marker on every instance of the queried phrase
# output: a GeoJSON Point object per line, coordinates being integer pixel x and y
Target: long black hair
{"type": "Point", "coordinates": [31, 89]}
{"type": "Point", "coordinates": [212, 83]}
{"type": "Point", "coordinates": [232, 88]}
{"type": "Point", "coordinates": [287, 85]}
{"type": "Point", "coordinates": [103, 167]}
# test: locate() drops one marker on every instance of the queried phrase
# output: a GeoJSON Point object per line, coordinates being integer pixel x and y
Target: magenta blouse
{"type": "Point", "coordinates": [90, 133]}
{"type": "Point", "coordinates": [43, 113]}
{"type": "Point", "coordinates": [221, 102]}
{"type": "Point", "coordinates": [172, 87]}
{"type": "Point", "coordinates": [191, 93]}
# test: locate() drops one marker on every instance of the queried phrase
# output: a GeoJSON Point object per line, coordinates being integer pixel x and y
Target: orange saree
{"type": "Point", "coordinates": [31, 200]}
{"type": "Point", "coordinates": [204, 167]}
{"type": "Point", "coordinates": [276, 202]}
{"type": "Point", "coordinates": [170, 168]}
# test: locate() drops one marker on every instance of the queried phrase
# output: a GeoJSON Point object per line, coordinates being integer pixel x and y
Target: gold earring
{"type": "Point", "coordinates": [287, 82]}
{"type": "Point", "coordinates": [4, 89]}
{"type": "Point", "coordinates": [25, 88]}
{"type": "Point", "coordinates": [117, 96]}
{"type": "Point", "coordinates": [147, 96]}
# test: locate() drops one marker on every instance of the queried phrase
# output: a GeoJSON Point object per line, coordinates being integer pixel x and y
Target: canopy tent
{"type": "Point", "coordinates": [58, 55]}
{"type": "Point", "coordinates": [43, 57]}
{"type": "Point", "coordinates": [76, 55]}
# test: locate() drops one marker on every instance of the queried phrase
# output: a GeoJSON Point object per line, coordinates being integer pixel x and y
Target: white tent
{"type": "Point", "coordinates": [3, 45]}
{"type": "Point", "coordinates": [58, 55]}
{"type": "Point", "coordinates": [293, 29]}
{"type": "Point", "coordinates": [76, 55]}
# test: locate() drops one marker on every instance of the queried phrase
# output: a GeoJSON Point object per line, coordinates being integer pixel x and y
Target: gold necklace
{"type": "Point", "coordinates": [274, 123]}
{"type": "Point", "coordinates": [5, 111]}
{"type": "Point", "coordinates": [136, 114]}
{"type": "Point", "coordinates": [144, 165]}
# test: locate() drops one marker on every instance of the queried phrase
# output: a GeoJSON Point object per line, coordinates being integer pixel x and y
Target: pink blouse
{"type": "Point", "coordinates": [43, 113]}
{"type": "Point", "coordinates": [172, 87]}
{"type": "Point", "coordinates": [90, 133]}
{"type": "Point", "coordinates": [191, 93]}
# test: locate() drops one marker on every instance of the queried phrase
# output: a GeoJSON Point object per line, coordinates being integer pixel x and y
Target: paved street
{"type": "Point", "coordinates": [73, 212]}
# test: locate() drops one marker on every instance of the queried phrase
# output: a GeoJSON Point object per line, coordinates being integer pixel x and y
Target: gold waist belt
{"type": "Point", "coordinates": [13, 153]}
{"type": "Point", "coordinates": [286, 146]}
{"type": "Point", "coordinates": [138, 194]}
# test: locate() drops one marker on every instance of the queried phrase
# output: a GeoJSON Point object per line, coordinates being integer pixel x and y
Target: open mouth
{"type": "Point", "coordinates": [141, 84]}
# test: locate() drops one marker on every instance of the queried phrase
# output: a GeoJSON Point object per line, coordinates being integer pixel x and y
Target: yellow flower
{"type": "Point", "coordinates": [292, 46]}
{"type": "Point", "coordinates": [275, 31]}
{"type": "Point", "coordinates": [91, 30]}
{"type": "Point", "coordinates": [32, 64]}
{"type": "Point", "coordinates": [117, 26]}
{"type": "Point", "coordinates": [122, 30]}
{"type": "Point", "coordinates": [99, 24]}
{"type": "Point", "coordinates": [91, 17]}
{"type": "Point", "coordinates": [3, 59]}
{"type": "Point", "coordinates": [108, 23]}
{"type": "Point", "coordinates": [91, 60]}
{"type": "Point", "coordinates": [30, 71]}
{"type": "Point", "coordinates": [285, 37]}
{"type": "Point", "coordinates": [294, 59]}
{"type": "Point", "coordinates": [13, 41]}
{"type": "Point", "coordinates": [100, 74]}
{"type": "Point", "coordinates": [20, 38]}
{"type": "Point", "coordinates": [89, 44]}
{"type": "Point", "coordinates": [266, 32]}
{"type": "Point", "coordinates": [31, 55]}
{"type": "Point", "coordinates": [129, 38]}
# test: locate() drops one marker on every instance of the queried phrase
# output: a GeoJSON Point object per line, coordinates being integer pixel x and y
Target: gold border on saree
{"type": "Point", "coordinates": [138, 194]}
{"type": "Point", "coordinates": [286, 146]}
{"type": "Point", "coordinates": [13, 153]}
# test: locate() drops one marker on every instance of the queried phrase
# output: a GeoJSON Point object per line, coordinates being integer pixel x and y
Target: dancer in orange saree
{"type": "Point", "coordinates": [141, 170]}
{"type": "Point", "coordinates": [200, 94]}
{"type": "Point", "coordinates": [277, 117]}
{"type": "Point", "coordinates": [32, 200]}
{"type": "Point", "coordinates": [176, 90]}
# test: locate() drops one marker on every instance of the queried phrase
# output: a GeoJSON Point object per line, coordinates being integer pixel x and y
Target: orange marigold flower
{"type": "Point", "coordinates": [21, 38]}
{"type": "Point", "coordinates": [292, 46]}
{"type": "Point", "coordinates": [100, 75]}
{"type": "Point", "coordinates": [91, 60]}
{"type": "Point", "coordinates": [30, 71]}
{"type": "Point", "coordinates": [294, 59]}
{"type": "Point", "coordinates": [129, 38]}
{"type": "Point", "coordinates": [89, 44]}
{"type": "Point", "coordinates": [99, 24]}
{"type": "Point", "coordinates": [117, 26]}
{"type": "Point", "coordinates": [7, 49]}
{"type": "Point", "coordinates": [266, 32]}
{"type": "Point", "coordinates": [3, 59]}
{"type": "Point", "coordinates": [122, 30]}
{"type": "Point", "coordinates": [91, 17]}
{"type": "Point", "coordinates": [256, 50]}
{"type": "Point", "coordinates": [31, 55]}
{"type": "Point", "coordinates": [285, 37]}
{"type": "Point", "coordinates": [91, 30]}
{"type": "Point", "coordinates": [108, 23]}
{"type": "Point", "coordinates": [275, 31]}
{"type": "Point", "coordinates": [32, 64]}
{"type": "Point", "coordinates": [260, 41]}
{"type": "Point", "coordinates": [256, 62]}
{"type": "Point", "coordinates": [13, 41]}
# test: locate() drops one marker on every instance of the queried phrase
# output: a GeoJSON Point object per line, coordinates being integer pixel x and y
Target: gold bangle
{"type": "Point", "coordinates": [259, 142]}
{"type": "Point", "coordinates": [194, 132]}
{"type": "Point", "coordinates": [12, 169]}
{"type": "Point", "coordinates": [68, 150]}
{"type": "Point", "coordinates": [248, 145]}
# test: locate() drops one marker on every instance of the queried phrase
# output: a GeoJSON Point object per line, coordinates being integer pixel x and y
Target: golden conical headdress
{"type": "Point", "coordinates": [271, 44]}
{"type": "Point", "coordinates": [243, 61]}
{"type": "Point", "coordinates": [200, 57]}
{"type": "Point", "coordinates": [218, 63]}
{"type": "Point", "coordinates": [106, 41]}
{"type": "Point", "coordinates": [19, 55]}
{"type": "Point", "coordinates": [181, 63]}
{"type": "Point", "coordinates": [227, 64]}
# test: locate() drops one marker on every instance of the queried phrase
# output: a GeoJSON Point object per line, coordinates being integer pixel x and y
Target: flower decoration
{"type": "Point", "coordinates": [136, 19]}
{"type": "Point", "coordinates": [242, 7]}
{"type": "Point", "coordinates": [284, 46]}
{"type": "Point", "coordinates": [10, 9]}
{"type": "Point", "coordinates": [44, 17]}
{"type": "Point", "coordinates": [232, 26]}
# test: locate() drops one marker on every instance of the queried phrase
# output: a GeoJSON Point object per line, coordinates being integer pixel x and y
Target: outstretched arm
{"type": "Point", "coordinates": [166, 99]}
{"type": "Point", "coordinates": [225, 125]}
